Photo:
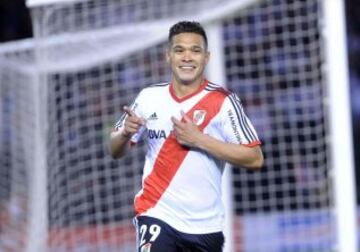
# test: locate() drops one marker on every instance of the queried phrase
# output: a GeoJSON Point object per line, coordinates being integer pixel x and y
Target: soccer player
{"type": "Point", "coordinates": [192, 127]}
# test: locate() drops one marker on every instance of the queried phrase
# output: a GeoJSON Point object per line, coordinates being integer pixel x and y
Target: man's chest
{"type": "Point", "coordinates": [158, 118]}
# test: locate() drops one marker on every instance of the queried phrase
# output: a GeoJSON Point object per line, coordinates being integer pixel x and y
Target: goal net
{"type": "Point", "coordinates": [62, 92]}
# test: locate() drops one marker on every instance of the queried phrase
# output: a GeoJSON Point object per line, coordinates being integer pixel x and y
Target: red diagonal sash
{"type": "Point", "coordinates": [171, 156]}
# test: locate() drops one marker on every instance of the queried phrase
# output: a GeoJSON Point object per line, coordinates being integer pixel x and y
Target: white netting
{"type": "Point", "coordinates": [97, 55]}
{"type": "Point", "coordinates": [17, 122]}
{"type": "Point", "coordinates": [274, 61]}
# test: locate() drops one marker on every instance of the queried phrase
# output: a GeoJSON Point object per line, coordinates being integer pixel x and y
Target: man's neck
{"type": "Point", "coordinates": [185, 89]}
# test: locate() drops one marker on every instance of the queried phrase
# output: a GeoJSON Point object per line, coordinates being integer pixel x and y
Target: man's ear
{"type": "Point", "coordinates": [167, 55]}
{"type": "Point", "coordinates": [207, 57]}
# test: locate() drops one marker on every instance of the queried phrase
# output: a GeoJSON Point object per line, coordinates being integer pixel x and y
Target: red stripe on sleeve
{"type": "Point", "coordinates": [253, 144]}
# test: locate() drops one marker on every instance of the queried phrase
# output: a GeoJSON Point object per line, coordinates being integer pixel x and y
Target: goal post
{"type": "Point", "coordinates": [62, 92]}
{"type": "Point", "coordinates": [340, 125]}
{"type": "Point", "coordinates": [37, 228]}
{"type": "Point", "coordinates": [216, 72]}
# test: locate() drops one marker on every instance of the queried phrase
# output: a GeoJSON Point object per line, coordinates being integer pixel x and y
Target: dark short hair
{"type": "Point", "coordinates": [187, 27]}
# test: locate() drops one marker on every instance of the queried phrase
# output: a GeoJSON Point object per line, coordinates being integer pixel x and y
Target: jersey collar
{"type": "Point", "coordinates": [177, 99]}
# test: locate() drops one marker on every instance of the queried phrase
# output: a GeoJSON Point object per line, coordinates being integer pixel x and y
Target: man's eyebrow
{"type": "Point", "coordinates": [192, 47]}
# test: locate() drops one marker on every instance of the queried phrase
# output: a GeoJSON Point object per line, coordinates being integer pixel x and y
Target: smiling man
{"type": "Point", "coordinates": [192, 128]}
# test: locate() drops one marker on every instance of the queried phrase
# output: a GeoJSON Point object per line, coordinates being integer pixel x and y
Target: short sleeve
{"type": "Point", "coordinates": [136, 108]}
{"type": "Point", "coordinates": [236, 126]}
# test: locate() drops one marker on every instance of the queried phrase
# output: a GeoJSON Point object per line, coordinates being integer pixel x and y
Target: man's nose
{"type": "Point", "coordinates": [187, 56]}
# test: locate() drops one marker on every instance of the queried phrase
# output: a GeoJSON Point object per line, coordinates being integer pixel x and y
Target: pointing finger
{"type": "Point", "coordinates": [175, 121]}
{"type": "Point", "coordinates": [185, 117]}
{"type": "Point", "coordinates": [128, 111]}
{"type": "Point", "coordinates": [134, 117]}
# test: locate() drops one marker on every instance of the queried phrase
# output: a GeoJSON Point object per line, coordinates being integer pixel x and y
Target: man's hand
{"type": "Point", "coordinates": [132, 123]}
{"type": "Point", "coordinates": [186, 132]}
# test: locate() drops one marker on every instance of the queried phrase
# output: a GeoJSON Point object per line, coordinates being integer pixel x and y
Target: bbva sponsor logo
{"type": "Point", "coordinates": [156, 134]}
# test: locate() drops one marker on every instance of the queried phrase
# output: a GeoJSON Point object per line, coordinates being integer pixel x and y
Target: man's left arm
{"type": "Point", "coordinates": [188, 134]}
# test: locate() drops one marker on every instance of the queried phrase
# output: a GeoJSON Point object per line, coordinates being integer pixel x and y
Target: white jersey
{"type": "Point", "coordinates": [182, 186]}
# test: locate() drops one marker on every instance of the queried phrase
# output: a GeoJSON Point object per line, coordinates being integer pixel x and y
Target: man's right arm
{"type": "Point", "coordinates": [120, 139]}
{"type": "Point", "coordinates": [119, 144]}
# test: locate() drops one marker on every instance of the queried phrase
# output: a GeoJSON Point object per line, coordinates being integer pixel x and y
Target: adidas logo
{"type": "Point", "coordinates": [153, 116]}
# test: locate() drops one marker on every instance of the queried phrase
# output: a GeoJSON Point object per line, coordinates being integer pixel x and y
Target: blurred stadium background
{"type": "Point", "coordinates": [274, 57]}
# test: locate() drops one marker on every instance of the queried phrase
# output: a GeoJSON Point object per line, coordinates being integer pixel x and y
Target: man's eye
{"type": "Point", "coordinates": [178, 50]}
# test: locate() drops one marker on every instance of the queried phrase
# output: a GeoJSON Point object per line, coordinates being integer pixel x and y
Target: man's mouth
{"type": "Point", "coordinates": [187, 67]}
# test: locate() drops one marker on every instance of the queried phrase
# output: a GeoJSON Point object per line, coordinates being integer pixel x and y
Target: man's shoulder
{"type": "Point", "coordinates": [157, 85]}
{"type": "Point", "coordinates": [152, 90]}
{"type": "Point", "coordinates": [212, 87]}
